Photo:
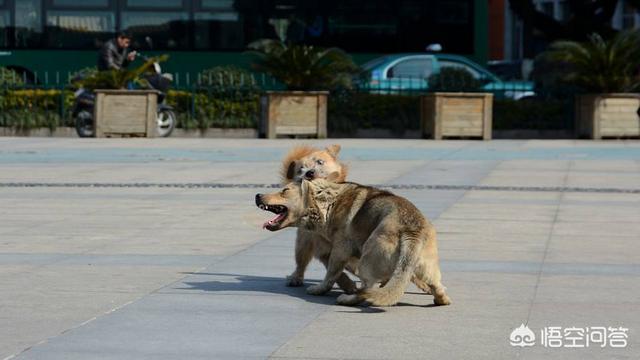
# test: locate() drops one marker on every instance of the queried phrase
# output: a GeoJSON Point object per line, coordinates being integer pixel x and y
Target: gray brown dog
{"type": "Point", "coordinates": [384, 237]}
{"type": "Point", "coordinates": [309, 163]}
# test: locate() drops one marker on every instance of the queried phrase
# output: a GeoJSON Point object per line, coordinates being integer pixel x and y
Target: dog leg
{"type": "Point", "coordinates": [344, 281]}
{"type": "Point", "coordinates": [429, 273]}
{"type": "Point", "coordinates": [421, 284]}
{"type": "Point", "coordinates": [356, 298]}
{"type": "Point", "coordinates": [335, 267]}
{"type": "Point", "coordinates": [304, 254]}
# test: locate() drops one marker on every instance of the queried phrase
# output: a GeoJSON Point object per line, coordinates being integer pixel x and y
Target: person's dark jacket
{"type": "Point", "coordinates": [112, 57]}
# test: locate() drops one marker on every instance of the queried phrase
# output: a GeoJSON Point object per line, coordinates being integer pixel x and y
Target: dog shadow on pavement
{"type": "Point", "coordinates": [246, 284]}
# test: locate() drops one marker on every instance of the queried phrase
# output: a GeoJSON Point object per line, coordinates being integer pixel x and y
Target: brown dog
{"type": "Point", "coordinates": [306, 162]}
{"type": "Point", "coordinates": [383, 236]}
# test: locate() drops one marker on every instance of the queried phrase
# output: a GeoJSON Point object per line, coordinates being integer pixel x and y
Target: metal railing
{"type": "Point", "coordinates": [46, 99]}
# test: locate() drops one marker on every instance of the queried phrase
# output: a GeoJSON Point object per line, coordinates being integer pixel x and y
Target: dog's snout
{"type": "Point", "coordinates": [310, 175]}
{"type": "Point", "coordinates": [258, 199]}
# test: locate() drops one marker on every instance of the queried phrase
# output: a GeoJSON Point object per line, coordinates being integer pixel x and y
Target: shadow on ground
{"type": "Point", "coordinates": [261, 284]}
{"type": "Point", "coordinates": [238, 283]}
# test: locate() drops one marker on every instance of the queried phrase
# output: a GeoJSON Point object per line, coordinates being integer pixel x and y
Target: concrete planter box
{"type": "Point", "coordinates": [125, 113]}
{"type": "Point", "coordinates": [607, 115]}
{"type": "Point", "coordinates": [456, 115]}
{"type": "Point", "coordinates": [297, 113]}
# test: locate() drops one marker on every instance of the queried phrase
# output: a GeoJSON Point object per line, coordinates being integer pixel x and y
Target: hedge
{"type": "Point", "coordinates": [240, 108]}
{"type": "Point", "coordinates": [349, 111]}
{"type": "Point", "coordinates": [535, 114]}
{"type": "Point", "coordinates": [205, 109]}
{"type": "Point", "coordinates": [34, 108]}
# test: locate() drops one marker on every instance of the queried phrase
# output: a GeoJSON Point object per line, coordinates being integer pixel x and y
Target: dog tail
{"type": "Point", "coordinates": [390, 294]}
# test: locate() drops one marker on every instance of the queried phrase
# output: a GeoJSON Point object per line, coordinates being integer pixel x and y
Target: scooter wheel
{"type": "Point", "coordinates": [84, 124]}
{"type": "Point", "coordinates": [166, 122]}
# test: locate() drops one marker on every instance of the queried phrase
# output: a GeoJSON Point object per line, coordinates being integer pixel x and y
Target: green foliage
{"type": "Point", "coordinates": [453, 79]}
{"type": "Point", "coordinates": [303, 67]}
{"type": "Point", "coordinates": [202, 110]}
{"type": "Point", "coordinates": [78, 76]}
{"type": "Point", "coordinates": [535, 114]}
{"type": "Point", "coordinates": [599, 65]}
{"type": "Point", "coordinates": [118, 79]}
{"type": "Point", "coordinates": [349, 111]}
{"type": "Point", "coordinates": [9, 77]}
{"type": "Point", "coordinates": [226, 77]}
{"type": "Point", "coordinates": [35, 108]}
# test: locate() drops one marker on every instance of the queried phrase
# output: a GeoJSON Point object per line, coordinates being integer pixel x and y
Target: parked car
{"type": "Point", "coordinates": [406, 72]}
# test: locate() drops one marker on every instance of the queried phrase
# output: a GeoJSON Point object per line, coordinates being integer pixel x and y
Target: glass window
{"type": "Point", "coordinates": [218, 30]}
{"type": "Point", "coordinates": [444, 63]}
{"type": "Point", "coordinates": [83, 3]}
{"type": "Point", "coordinates": [453, 12]}
{"type": "Point", "coordinates": [547, 8]}
{"type": "Point", "coordinates": [74, 29]}
{"type": "Point", "coordinates": [217, 4]}
{"type": "Point", "coordinates": [565, 11]}
{"type": "Point", "coordinates": [28, 23]}
{"type": "Point", "coordinates": [155, 3]}
{"type": "Point", "coordinates": [412, 68]}
{"type": "Point", "coordinates": [628, 16]}
{"type": "Point", "coordinates": [168, 30]}
{"type": "Point", "coordinates": [4, 24]}
{"type": "Point", "coordinates": [371, 64]}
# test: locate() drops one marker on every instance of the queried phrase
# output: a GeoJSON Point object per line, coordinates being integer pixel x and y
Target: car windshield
{"type": "Point", "coordinates": [373, 63]}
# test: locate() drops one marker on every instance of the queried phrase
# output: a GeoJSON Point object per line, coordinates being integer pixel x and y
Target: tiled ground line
{"type": "Point", "coordinates": [262, 186]}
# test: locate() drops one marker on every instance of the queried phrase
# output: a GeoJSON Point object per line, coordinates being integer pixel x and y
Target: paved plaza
{"type": "Point", "coordinates": [153, 249]}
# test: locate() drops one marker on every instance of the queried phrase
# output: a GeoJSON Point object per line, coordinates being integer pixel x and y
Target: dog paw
{"type": "Point", "coordinates": [346, 299]}
{"type": "Point", "coordinates": [294, 281]}
{"type": "Point", "coordinates": [442, 300]}
{"type": "Point", "coordinates": [316, 290]}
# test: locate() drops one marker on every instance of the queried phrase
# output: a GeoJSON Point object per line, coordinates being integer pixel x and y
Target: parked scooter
{"type": "Point", "coordinates": [84, 104]}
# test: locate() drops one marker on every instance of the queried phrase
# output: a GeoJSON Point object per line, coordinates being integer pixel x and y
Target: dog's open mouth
{"type": "Point", "coordinates": [281, 214]}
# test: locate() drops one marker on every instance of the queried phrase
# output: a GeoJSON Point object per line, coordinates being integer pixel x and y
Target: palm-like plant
{"type": "Point", "coordinates": [118, 79]}
{"type": "Point", "coordinates": [599, 65]}
{"type": "Point", "coordinates": [302, 67]}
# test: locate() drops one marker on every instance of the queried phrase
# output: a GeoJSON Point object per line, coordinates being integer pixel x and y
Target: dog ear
{"type": "Point", "coordinates": [291, 170]}
{"type": "Point", "coordinates": [333, 150]}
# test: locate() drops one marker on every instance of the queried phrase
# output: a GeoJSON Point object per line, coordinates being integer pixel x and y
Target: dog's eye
{"type": "Point", "coordinates": [320, 162]}
{"type": "Point", "coordinates": [285, 190]}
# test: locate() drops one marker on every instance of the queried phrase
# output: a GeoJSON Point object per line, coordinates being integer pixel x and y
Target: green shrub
{"type": "Point", "coordinates": [9, 77]}
{"type": "Point", "coordinates": [303, 67]}
{"type": "Point", "coordinates": [118, 79]}
{"type": "Point", "coordinates": [34, 108]}
{"type": "Point", "coordinates": [600, 65]}
{"type": "Point", "coordinates": [536, 114]}
{"type": "Point", "coordinates": [26, 119]}
{"type": "Point", "coordinates": [202, 110]}
{"type": "Point", "coordinates": [453, 79]}
{"type": "Point", "coordinates": [349, 111]}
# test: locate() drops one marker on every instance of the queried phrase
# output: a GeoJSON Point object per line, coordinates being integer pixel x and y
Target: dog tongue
{"type": "Point", "coordinates": [274, 220]}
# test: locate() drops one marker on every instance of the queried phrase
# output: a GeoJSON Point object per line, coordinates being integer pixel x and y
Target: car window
{"type": "Point", "coordinates": [447, 63]}
{"type": "Point", "coordinates": [369, 65]}
{"type": "Point", "coordinates": [411, 68]}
